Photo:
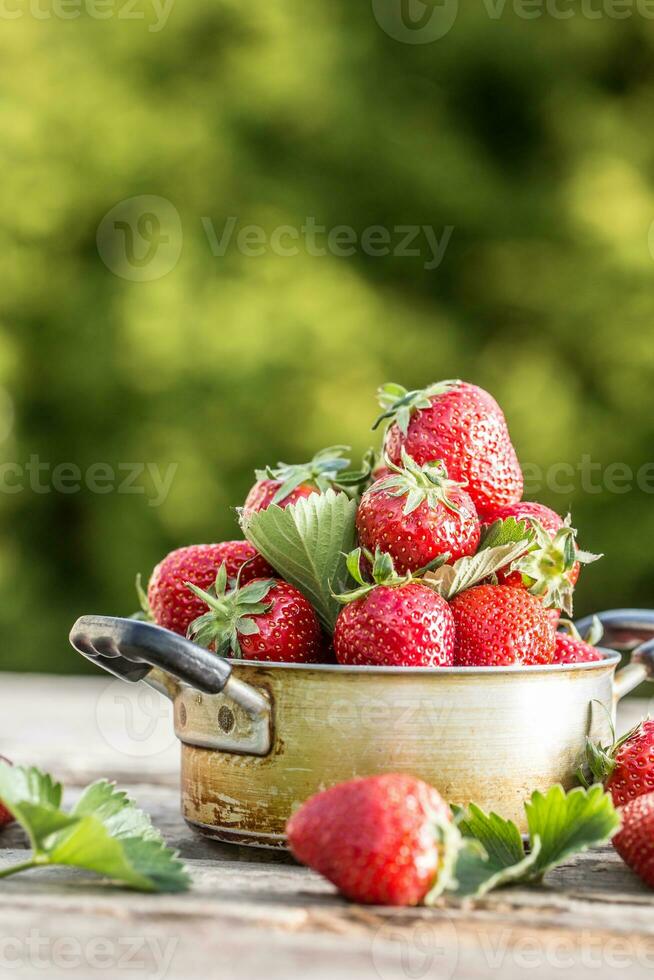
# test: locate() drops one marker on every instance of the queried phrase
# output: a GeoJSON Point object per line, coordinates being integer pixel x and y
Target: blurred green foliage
{"type": "Point", "coordinates": [529, 137]}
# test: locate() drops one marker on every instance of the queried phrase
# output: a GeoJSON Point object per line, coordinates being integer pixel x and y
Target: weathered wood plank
{"type": "Point", "coordinates": [254, 913]}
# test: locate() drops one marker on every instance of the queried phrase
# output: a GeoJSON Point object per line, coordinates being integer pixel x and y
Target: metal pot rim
{"type": "Point", "coordinates": [611, 659]}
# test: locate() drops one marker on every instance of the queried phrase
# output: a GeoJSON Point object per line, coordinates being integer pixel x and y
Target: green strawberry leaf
{"type": "Point", "coordinates": [104, 832]}
{"type": "Point", "coordinates": [560, 824]}
{"type": "Point", "coordinates": [569, 823]}
{"type": "Point", "coordinates": [494, 854]}
{"type": "Point", "coordinates": [33, 798]}
{"type": "Point", "coordinates": [449, 580]}
{"type": "Point", "coordinates": [502, 532]}
{"type": "Point", "coordinates": [307, 544]}
{"type": "Point", "coordinates": [139, 862]}
{"type": "Point", "coordinates": [477, 871]}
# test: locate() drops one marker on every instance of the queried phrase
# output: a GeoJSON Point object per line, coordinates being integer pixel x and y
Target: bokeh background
{"type": "Point", "coordinates": [530, 138]}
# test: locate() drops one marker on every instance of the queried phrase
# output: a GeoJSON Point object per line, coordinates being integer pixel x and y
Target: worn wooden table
{"type": "Point", "coordinates": [255, 913]}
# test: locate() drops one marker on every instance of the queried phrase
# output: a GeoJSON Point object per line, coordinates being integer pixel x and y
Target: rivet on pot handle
{"type": "Point", "coordinates": [135, 650]}
{"type": "Point", "coordinates": [627, 629]}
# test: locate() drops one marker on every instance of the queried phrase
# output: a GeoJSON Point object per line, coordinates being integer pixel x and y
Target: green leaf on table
{"type": "Point", "coordinates": [104, 832]}
{"type": "Point", "coordinates": [493, 853]}
{"type": "Point", "coordinates": [33, 798]}
{"type": "Point", "coordinates": [560, 824]}
{"type": "Point", "coordinates": [569, 823]}
{"type": "Point", "coordinates": [307, 543]}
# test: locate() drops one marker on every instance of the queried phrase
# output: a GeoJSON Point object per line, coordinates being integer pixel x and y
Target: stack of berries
{"type": "Point", "coordinates": [453, 568]}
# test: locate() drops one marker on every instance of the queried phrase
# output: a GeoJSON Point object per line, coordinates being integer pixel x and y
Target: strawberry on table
{"type": "Point", "coordinates": [627, 766]}
{"type": "Point", "coordinates": [416, 514]}
{"type": "Point", "coordinates": [287, 483]}
{"type": "Point", "coordinates": [171, 604]}
{"type": "Point", "coordinates": [461, 425]}
{"type": "Point", "coordinates": [394, 621]}
{"type": "Point", "coordinates": [5, 816]}
{"type": "Point", "coordinates": [497, 626]}
{"type": "Point", "coordinates": [267, 619]}
{"type": "Point", "coordinates": [551, 567]}
{"type": "Point", "coordinates": [634, 842]}
{"type": "Point", "coordinates": [382, 840]}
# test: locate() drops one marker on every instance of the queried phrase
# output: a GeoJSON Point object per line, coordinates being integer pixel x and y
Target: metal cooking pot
{"type": "Point", "coordinates": [259, 738]}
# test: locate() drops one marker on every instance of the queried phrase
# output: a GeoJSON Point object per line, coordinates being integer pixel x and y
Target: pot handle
{"type": "Point", "coordinates": [131, 648]}
{"type": "Point", "coordinates": [641, 668]}
{"type": "Point", "coordinates": [627, 629]}
{"type": "Point", "coordinates": [623, 628]}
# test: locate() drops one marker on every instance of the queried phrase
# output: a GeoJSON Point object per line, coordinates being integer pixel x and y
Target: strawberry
{"type": "Point", "coordinates": [461, 425]}
{"type": "Point", "coordinates": [416, 514]}
{"type": "Point", "coordinates": [267, 619]}
{"type": "Point", "coordinates": [393, 621]}
{"type": "Point", "coordinates": [635, 840]}
{"type": "Point", "coordinates": [287, 483]}
{"type": "Point", "coordinates": [551, 567]}
{"type": "Point", "coordinates": [170, 604]}
{"type": "Point", "coordinates": [571, 649]}
{"type": "Point", "coordinates": [382, 840]}
{"type": "Point", "coordinates": [5, 816]}
{"type": "Point", "coordinates": [497, 626]}
{"type": "Point", "coordinates": [627, 766]}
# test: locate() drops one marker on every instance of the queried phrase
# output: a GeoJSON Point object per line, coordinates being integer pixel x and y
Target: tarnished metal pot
{"type": "Point", "coordinates": [258, 739]}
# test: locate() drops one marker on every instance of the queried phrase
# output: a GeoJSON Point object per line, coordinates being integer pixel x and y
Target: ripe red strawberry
{"type": "Point", "coordinates": [634, 842]}
{"type": "Point", "coordinates": [497, 626]}
{"type": "Point", "coordinates": [171, 604]}
{"type": "Point", "coordinates": [395, 622]}
{"type": "Point", "coordinates": [572, 649]}
{"type": "Point", "coordinates": [461, 425]}
{"type": "Point", "coordinates": [382, 840]}
{"type": "Point", "coordinates": [5, 816]}
{"type": "Point", "coordinates": [267, 619]}
{"type": "Point", "coordinates": [416, 514]}
{"type": "Point", "coordinates": [631, 765]}
{"type": "Point", "coordinates": [551, 568]}
{"type": "Point", "coordinates": [288, 483]}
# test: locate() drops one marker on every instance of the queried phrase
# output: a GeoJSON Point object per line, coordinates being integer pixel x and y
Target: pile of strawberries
{"type": "Point", "coordinates": [446, 488]}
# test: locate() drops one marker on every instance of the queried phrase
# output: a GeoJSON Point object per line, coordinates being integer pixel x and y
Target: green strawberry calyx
{"type": "Point", "coordinates": [145, 613]}
{"type": "Point", "coordinates": [327, 469]}
{"type": "Point", "coordinates": [601, 759]}
{"type": "Point", "coordinates": [419, 484]}
{"type": "Point", "coordinates": [399, 404]}
{"type": "Point", "coordinates": [592, 637]}
{"type": "Point", "coordinates": [231, 612]}
{"type": "Point", "coordinates": [501, 545]}
{"type": "Point", "coordinates": [382, 573]}
{"type": "Point", "coordinates": [546, 567]}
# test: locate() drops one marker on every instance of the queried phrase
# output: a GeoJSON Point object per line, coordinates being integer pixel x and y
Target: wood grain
{"type": "Point", "coordinates": [255, 913]}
